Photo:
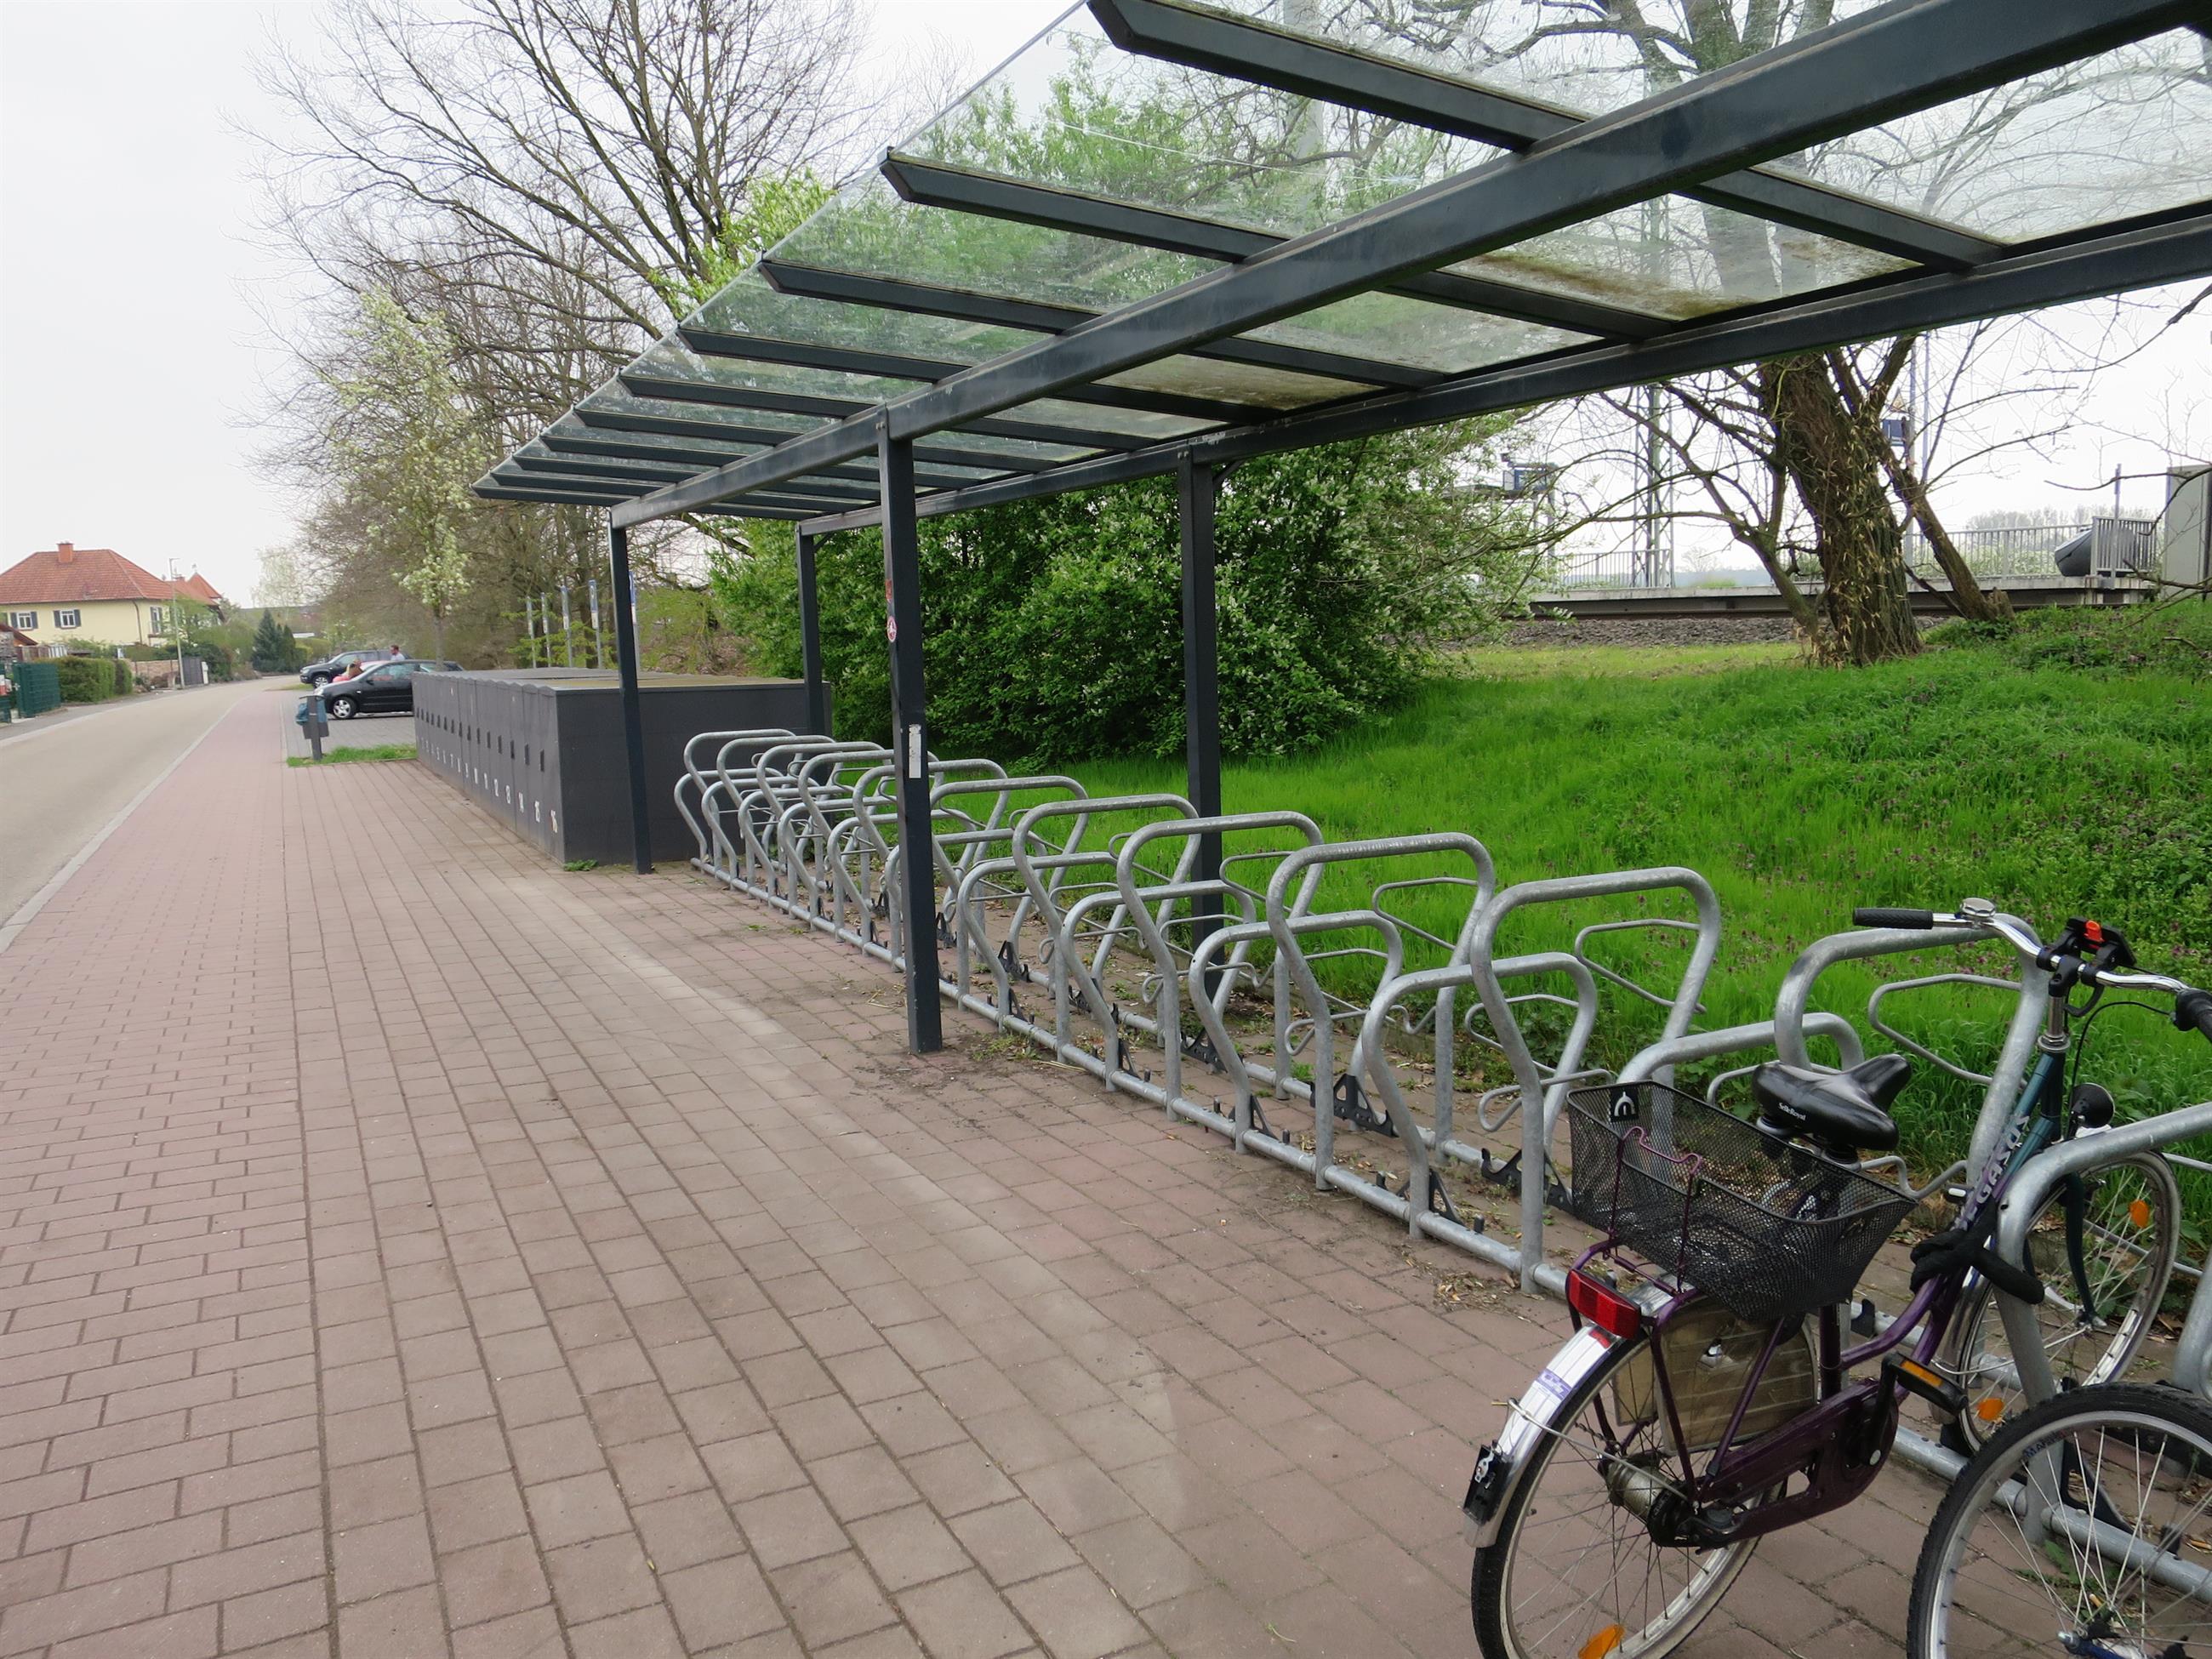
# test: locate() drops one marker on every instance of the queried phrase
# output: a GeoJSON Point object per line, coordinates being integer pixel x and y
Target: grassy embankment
{"type": "Point", "coordinates": [2059, 773]}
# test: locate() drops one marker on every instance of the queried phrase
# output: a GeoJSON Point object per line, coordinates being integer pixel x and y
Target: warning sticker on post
{"type": "Point", "coordinates": [890, 628]}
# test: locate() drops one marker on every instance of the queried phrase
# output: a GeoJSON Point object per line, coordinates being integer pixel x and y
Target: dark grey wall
{"type": "Point", "coordinates": [543, 750]}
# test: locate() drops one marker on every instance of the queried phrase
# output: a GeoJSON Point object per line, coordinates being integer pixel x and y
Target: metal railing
{"type": "Point", "coordinates": [2118, 546]}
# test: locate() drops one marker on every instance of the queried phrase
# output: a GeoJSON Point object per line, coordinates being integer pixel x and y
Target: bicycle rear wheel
{"type": "Point", "coordinates": [1576, 1572]}
{"type": "Point", "coordinates": [2130, 1232]}
{"type": "Point", "coordinates": [2081, 1527]}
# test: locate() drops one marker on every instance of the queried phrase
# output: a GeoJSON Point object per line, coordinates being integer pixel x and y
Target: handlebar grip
{"type": "Point", "coordinates": [2192, 1011]}
{"type": "Point", "coordinates": [1874, 915]}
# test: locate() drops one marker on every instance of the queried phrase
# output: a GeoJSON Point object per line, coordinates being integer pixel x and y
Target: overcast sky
{"type": "Point", "coordinates": [133, 348]}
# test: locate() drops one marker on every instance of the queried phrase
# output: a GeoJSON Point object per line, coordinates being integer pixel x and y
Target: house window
{"type": "Point", "coordinates": [69, 619]}
{"type": "Point", "coordinates": [157, 618]}
{"type": "Point", "coordinates": [26, 620]}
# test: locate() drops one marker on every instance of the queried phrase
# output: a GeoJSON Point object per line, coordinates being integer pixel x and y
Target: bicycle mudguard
{"type": "Point", "coordinates": [1505, 1461]}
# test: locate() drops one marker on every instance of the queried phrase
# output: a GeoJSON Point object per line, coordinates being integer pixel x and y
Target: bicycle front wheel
{"type": "Point", "coordinates": [2129, 1231]}
{"type": "Point", "coordinates": [1576, 1572]}
{"type": "Point", "coordinates": [2081, 1527]}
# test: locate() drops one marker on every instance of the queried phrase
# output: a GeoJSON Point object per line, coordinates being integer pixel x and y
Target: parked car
{"type": "Point", "coordinates": [388, 688]}
{"type": "Point", "coordinates": [322, 673]}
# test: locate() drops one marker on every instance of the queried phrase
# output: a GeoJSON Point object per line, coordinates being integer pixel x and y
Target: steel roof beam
{"type": "Point", "coordinates": [961, 190]}
{"type": "Point", "coordinates": [689, 461]}
{"type": "Point", "coordinates": [669, 425]}
{"type": "Point", "coordinates": [754, 348]}
{"type": "Point", "coordinates": [508, 473]}
{"type": "Point", "coordinates": [658, 390]}
{"type": "Point", "coordinates": [599, 469]}
{"type": "Point", "coordinates": [1889, 60]}
{"type": "Point", "coordinates": [548, 495]}
{"type": "Point", "coordinates": [1247, 49]}
{"type": "Point", "coordinates": [928, 299]}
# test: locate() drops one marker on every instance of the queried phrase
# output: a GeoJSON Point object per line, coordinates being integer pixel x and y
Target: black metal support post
{"type": "Point", "coordinates": [640, 826]}
{"type": "Point", "coordinates": [1199, 485]}
{"type": "Point", "coordinates": [810, 640]}
{"type": "Point", "coordinates": [910, 738]}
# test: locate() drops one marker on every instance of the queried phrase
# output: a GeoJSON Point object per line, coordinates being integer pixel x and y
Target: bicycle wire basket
{"type": "Point", "coordinates": [1770, 1228]}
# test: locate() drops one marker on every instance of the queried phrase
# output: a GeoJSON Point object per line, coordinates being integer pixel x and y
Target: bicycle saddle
{"type": "Point", "coordinates": [1844, 1112]}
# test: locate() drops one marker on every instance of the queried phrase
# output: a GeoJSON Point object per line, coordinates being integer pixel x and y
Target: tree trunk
{"type": "Point", "coordinates": [1967, 596]}
{"type": "Point", "coordinates": [1833, 460]}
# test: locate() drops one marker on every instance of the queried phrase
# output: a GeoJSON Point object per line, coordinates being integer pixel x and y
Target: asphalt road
{"type": "Point", "coordinates": [63, 780]}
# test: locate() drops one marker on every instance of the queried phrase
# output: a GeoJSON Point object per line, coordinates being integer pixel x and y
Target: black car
{"type": "Point", "coordinates": [322, 673]}
{"type": "Point", "coordinates": [386, 689]}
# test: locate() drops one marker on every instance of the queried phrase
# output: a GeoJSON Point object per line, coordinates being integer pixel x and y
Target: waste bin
{"type": "Point", "coordinates": [314, 723]}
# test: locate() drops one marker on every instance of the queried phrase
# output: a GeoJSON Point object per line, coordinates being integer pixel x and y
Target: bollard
{"type": "Point", "coordinates": [314, 723]}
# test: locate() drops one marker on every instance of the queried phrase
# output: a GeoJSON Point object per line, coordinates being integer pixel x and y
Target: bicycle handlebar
{"type": "Point", "coordinates": [2192, 1008]}
{"type": "Point", "coordinates": [1868, 915]}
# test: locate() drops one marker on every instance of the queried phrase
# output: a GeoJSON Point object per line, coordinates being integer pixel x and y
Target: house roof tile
{"type": "Point", "coordinates": [68, 574]}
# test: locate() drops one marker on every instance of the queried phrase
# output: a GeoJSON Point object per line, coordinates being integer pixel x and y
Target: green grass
{"type": "Point", "coordinates": [2004, 770]}
{"type": "Point", "coordinates": [381, 751]}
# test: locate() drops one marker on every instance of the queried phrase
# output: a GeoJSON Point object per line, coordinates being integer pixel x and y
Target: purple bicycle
{"type": "Point", "coordinates": [1707, 1396]}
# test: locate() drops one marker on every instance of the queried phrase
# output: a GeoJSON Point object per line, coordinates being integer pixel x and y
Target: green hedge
{"type": "Point", "coordinates": [91, 679]}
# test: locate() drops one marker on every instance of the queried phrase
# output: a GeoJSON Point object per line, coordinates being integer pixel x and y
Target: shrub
{"type": "Point", "coordinates": [88, 679]}
{"type": "Point", "coordinates": [2175, 638]}
{"type": "Point", "coordinates": [1054, 628]}
{"type": "Point", "coordinates": [124, 683]}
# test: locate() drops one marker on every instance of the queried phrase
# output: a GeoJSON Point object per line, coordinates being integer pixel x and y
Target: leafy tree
{"type": "Point", "coordinates": [1054, 629]}
{"type": "Point", "coordinates": [273, 651]}
{"type": "Point", "coordinates": [410, 439]}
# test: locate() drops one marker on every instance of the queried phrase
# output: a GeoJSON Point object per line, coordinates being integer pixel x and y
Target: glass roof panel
{"type": "Point", "coordinates": [865, 229]}
{"type": "Point", "coordinates": [1414, 333]}
{"type": "Point", "coordinates": [1072, 112]}
{"type": "Point", "coordinates": [1244, 383]}
{"type": "Point", "coordinates": [2125, 133]}
{"type": "Point", "coordinates": [569, 427]}
{"type": "Point", "coordinates": [676, 362]}
{"type": "Point", "coordinates": [1097, 417]}
{"type": "Point", "coordinates": [2104, 139]}
{"type": "Point", "coordinates": [1676, 258]}
{"type": "Point", "coordinates": [750, 306]}
{"type": "Point", "coordinates": [613, 398]}
{"type": "Point", "coordinates": [535, 451]}
{"type": "Point", "coordinates": [1580, 59]}
{"type": "Point", "coordinates": [672, 359]}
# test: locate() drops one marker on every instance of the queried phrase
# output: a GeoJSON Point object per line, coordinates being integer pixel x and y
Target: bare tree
{"type": "Point", "coordinates": [544, 185]}
{"type": "Point", "coordinates": [2094, 141]}
{"type": "Point", "coordinates": [613, 144]}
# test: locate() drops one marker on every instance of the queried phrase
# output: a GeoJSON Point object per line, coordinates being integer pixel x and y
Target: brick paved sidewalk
{"type": "Point", "coordinates": [407, 1248]}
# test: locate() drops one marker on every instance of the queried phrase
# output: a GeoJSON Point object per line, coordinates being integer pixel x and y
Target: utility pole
{"type": "Point", "coordinates": [177, 610]}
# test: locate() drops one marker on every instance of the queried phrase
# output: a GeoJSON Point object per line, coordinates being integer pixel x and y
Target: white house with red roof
{"type": "Point", "coordinates": [68, 594]}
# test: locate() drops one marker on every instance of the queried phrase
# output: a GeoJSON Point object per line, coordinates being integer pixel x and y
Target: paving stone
{"type": "Point", "coordinates": [628, 1289]}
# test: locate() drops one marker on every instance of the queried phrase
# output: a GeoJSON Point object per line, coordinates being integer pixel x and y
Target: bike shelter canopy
{"type": "Point", "coordinates": [1170, 234]}
{"type": "Point", "coordinates": [1166, 229]}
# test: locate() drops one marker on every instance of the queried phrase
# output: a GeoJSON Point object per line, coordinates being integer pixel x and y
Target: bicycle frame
{"type": "Point", "coordinates": [1843, 1441]}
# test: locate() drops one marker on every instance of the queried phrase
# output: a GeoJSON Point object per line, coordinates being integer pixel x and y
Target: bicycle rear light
{"type": "Point", "coordinates": [1603, 1306]}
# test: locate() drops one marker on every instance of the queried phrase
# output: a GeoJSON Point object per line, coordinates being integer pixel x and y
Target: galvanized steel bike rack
{"type": "Point", "coordinates": [1138, 945]}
